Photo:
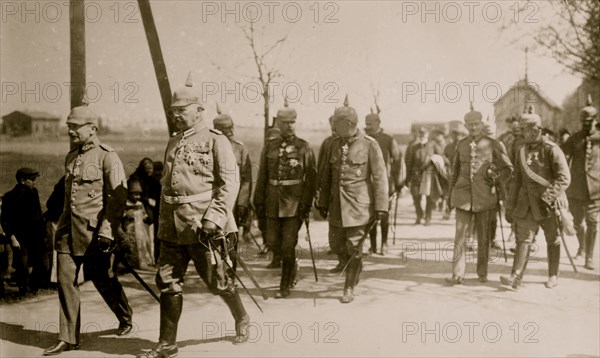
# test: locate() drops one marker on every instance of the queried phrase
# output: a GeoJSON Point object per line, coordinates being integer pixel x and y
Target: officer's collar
{"type": "Point", "coordinates": [195, 128]}
{"type": "Point", "coordinates": [289, 138]}
{"type": "Point", "coordinates": [93, 143]}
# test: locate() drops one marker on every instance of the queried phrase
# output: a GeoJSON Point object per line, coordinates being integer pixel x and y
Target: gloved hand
{"type": "Point", "coordinates": [303, 212]}
{"type": "Point", "coordinates": [105, 244]}
{"type": "Point", "coordinates": [242, 214]}
{"type": "Point", "coordinates": [381, 215]}
{"type": "Point", "coordinates": [323, 212]}
{"type": "Point", "coordinates": [399, 188]}
{"type": "Point", "coordinates": [260, 212]}
{"type": "Point", "coordinates": [549, 196]}
{"type": "Point", "coordinates": [209, 227]}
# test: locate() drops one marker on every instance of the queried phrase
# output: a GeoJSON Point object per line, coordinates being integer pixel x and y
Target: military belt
{"type": "Point", "coordinates": [187, 199]}
{"type": "Point", "coordinates": [285, 182]}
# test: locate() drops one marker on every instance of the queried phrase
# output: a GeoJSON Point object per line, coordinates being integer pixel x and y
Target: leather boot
{"type": "Point", "coordinates": [294, 273]}
{"type": "Point", "coordinates": [520, 260]}
{"type": "Point", "coordinates": [242, 319]}
{"type": "Point", "coordinates": [284, 283]}
{"type": "Point", "coordinates": [590, 244]}
{"type": "Point", "coordinates": [350, 281]}
{"type": "Point", "coordinates": [170, 311]}
{"type": "Point", "coordinates": [553, 259]}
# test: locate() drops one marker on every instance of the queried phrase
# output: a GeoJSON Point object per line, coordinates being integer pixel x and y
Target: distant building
{"type": "Point", "coordinates": [21, 123]}
{"type": "Point", "coordinates": [514, 102]}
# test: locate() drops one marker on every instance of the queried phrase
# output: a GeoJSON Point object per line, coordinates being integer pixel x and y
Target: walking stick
{"type": "Point", "coordinates": [499, 209]}
{"type": "Point", "coordinates": [396, 215]}
{"type": "Point", "coordinates": [312, 256]}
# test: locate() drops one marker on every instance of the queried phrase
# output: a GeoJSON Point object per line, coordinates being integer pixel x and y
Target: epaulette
{"type": "Point", "coordinates": [368, 137]}
{"type": "Point", "coordinates": [216, 131]}
{"type": "Point", "coordinates": [238, 142]}
{"type": "Point", "coordinates": [550, 143]}
{"type": "Point", "coordinates": [106, 147]}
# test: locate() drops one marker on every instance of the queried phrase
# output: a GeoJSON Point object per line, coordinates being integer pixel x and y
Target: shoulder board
{"type": "Point", "coordinates": [367, 137]}
{"type": "Point", "coordinates": [215, 131]}
{"type": "Point", "coordinates": [106, 147]}
{"type": "Point", "coordinates": [301, 140]}
{"type": "Point", "coordinates": [550, 143]}
{"type": "Point", "coordinates": [238, 142]}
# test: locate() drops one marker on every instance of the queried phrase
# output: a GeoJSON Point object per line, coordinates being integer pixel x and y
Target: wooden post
{"type": "Point", "coordinates": [157, 59]}
{"type": "Point", "coordinates": [77, 29]}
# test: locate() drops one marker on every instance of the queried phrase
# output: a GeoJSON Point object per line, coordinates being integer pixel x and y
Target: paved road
{"type": "Point", "coordinates": [402, 308]}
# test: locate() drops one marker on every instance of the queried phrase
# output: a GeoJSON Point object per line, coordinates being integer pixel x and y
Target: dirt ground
{"type": "Point", "coordinates": [402, 308]}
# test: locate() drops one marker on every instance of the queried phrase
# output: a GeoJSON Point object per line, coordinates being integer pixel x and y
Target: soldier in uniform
{"type": "Point", "coordinates": [478, 163]}
{"type": "Point", "coordinates": [354, 191]}
{"type": "Point", "coordinates": [224, 123]}
{"type": "Point", "coordinates": [457, 133]}
{"type": "Point", "coordinates": [323, 150]}
{"type": "Point", "coordinates": [285, 189]}
{"type": "Point", "coordinates": [583, 151]}
{"type": "Point", "coordinates": [392, 156]}
{"type": "Point", "coordinates": [540, 180]}
{"type": "Point", "coordinates": [95, 196]}
{"type": "Point", "coordinates": [199, 190]}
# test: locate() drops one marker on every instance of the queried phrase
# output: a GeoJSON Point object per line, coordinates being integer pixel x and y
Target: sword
{"type": "Point", "coordinates": [396, 215]}
{"type": "Point", "coordinates": [140, 280]}
{"type": "Point", "coordinates": [249, 273]}
{"type": "Point", "coordinates": [559, 225]}
{"type": "Point", "coordinates": [360, 245]}
{"type": "Point", "coordinates": [499, 209]}
{"type": "Point", "coordinates": [312, 256]}
{"type": "Point", "coordinates": [252, 237]}
{"type": "Point", "coordinates": [224, 259]}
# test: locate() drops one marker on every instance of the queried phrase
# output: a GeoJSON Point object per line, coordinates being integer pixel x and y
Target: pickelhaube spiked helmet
{"type": "Point", "coordinates": [222, 119]}
{"type": "Point", "coordinates": [589, 110]}
{"type": "Point", "coordinates": [530, 118]}
{"type": "Point", "coordinates": [473, 116]}
{"type": "Point", "coordinates": [186, 95]}
{"type": "Point", "coordinates": [345, 112]}
{"type": "Point", "coordinates": [286, 112]}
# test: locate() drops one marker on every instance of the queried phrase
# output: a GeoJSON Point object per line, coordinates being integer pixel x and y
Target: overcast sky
{"type": "Point", "coordinates": [423, 61]}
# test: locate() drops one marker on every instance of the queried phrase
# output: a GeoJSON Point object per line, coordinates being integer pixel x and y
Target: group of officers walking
{"type": "Point", "coordinates": [206, 188]}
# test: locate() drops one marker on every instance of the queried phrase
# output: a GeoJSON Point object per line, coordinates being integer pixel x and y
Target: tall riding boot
{"type": "Point", "coordinates": [171, 306]}
{"type": "Point", "coordinates": [242, 320]}
{"type": "Point", "coordinates": [284, 284]}
{"type": "Point", "coordinates": [519, 266]}
{"type": "Point", "coordinates": [581, 238]}
{"type": "Point", "coordinates": [553, 262]}
{"type": "Point", "coordinates": [590, 244]}
{"type": "Point", "coordinates": [276, 261]}
{"type": "Point", "coordinates": [359, 269]}
{"type": "Point", "coordinates": [350, 281]}
{"type": "Point", "coordinates": [373, 240]}
{"type": "Point", "coordinates": [293, 280]}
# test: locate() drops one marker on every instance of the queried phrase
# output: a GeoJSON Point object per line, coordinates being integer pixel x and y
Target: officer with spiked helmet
{"type": "Point", "coordinates": [96, 192]}
{"type": "Point", "coordinates": [392, 156]}
{"type": "Point", "coordinates": [354, 191]}
{"type": "Point", "coordinates": [479, 164]}
{"type": "Point", "coordinates": [540, 180]}
{"type": "Point", "coordinates": [583, 152]}
{"type": "Point", "coordinates": [224, 123]}
{"type": "Point", "coordinates": [199, 189]}
{"type": "Point", "coordinates": [285, 189]}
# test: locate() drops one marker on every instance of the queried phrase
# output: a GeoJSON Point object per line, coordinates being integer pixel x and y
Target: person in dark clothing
{"type": "Point", "coordinates": [155, 194]}
{"type": "Point", "coordinates": [54, 205]}
{"type": "Point", "coordinates": [23, 224]}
